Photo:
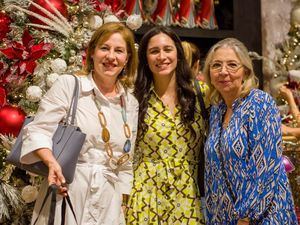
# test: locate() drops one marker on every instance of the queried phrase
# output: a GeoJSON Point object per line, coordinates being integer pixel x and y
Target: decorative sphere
{"type": "Point", "coordinates": [58, 4]}
{"type": "Point", "coordinates": [295, 15]}
{"type": "Point", "coordinates": [11, 120]}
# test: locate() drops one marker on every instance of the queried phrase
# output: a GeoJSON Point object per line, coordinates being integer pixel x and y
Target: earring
{"type": "Point", "coordinates": [124, 72]}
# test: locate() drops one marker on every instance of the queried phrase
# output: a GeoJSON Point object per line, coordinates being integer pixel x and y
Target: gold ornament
{"type": "Point", "coordinates": [73, 9]}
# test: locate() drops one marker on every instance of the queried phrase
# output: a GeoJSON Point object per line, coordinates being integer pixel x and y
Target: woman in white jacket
{"type": "Point", "coordinates": [99, 186]}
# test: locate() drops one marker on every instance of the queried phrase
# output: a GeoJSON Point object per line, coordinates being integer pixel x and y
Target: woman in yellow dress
{"type": "Point", "coordinates": [169, 138]}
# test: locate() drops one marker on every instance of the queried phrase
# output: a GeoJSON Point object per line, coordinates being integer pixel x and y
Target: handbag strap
{"type": "Point", "coordinates": [204, 111]}
{"type": "Point", "coordinates": [205, 116]}
{"type": "Point", "coordinates": [74, 101]}
{"type": "Point", "coordinates": [52, 191]}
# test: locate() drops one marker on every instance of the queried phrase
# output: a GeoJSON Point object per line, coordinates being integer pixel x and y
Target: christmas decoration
{"type": "Point", "coordinates": [24, 56]}
{"type": "Point", "coordinates": [4, 25]}
{"type": "Point", "coordinates": [40, 40]}
{"type": "Point", "coordinates": [2, 96]}
{"type": "Point", "coordinates": [54, 5]}
{"type": "Point", "coordinates": [11, 120]}
{"type": "Point", "coordinates": [286, 69]}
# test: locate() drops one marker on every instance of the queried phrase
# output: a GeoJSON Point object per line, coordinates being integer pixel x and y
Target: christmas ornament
{"type": "Point", "coordinates": [95, 21]}
{"type": "Point", "coordinates": [134, 22]}
{"type": "Point", "coordinates": [288, 165]}
{"type": "Point", "coordinates": [29, 193]}
{"type": "Point", "coordinates": [2, 96]}
{"type": "Point", "coordinates": [11, 120]}
{"type": "Point", "coordinates": [295, 15]}
{"type": "Point", "coordinates": [57, 4]}
{"type": "Point", "coordinates": [58, 65]}
{"type": "Point", "coordinates": [34, 93]}
{"type": "Point", "coordinates": [4, 25]}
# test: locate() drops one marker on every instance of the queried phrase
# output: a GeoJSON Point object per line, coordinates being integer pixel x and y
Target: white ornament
{"type": "Point", "coordinates": [134, 21]}
{"type": "Point", "coordinates": [110, 18]}
{"type": "Point", "coordinates": [51, 78]}
{"type": "Point", "coordinates": [294, 75]}
{"type": "Point", "coordinates": [295, 15]}
{"type": "Point", "coordinates": [95, 22]}
{"type": "Point", "coordinates": [29, 193]}
{"type": "Point", "coordinates": [58, 65]}
{"type": "Point", "coordinates": [34, 93]}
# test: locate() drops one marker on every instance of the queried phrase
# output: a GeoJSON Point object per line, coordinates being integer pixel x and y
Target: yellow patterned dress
{"type": "Point", "coordinates": [165, 170]}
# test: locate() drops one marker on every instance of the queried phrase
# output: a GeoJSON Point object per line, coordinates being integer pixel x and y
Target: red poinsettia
{"type": "Point", "coordinates": [2, 96]}
{"type": "Point", "coordinates": [100, 6]}
{"type": "Point", "coordinates": [4, 25]}
{"type": "Point", "coordinates": [4, 72]}
{"type": "Point", "coordinates": [24, 55]}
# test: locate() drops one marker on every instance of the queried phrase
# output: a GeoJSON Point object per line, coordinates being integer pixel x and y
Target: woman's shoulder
{"type": "Point", "coordinates": [65, 80]}
{"type": "Point", "coordinates": [260, 97]}
{"type": "Point", "coordinates": [261, 102]}
{"type": "Point", "coordinates": [132, 101]}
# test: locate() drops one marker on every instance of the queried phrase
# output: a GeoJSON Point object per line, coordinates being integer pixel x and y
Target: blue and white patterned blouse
{"type": "Point", "coordinates": [250, 148]}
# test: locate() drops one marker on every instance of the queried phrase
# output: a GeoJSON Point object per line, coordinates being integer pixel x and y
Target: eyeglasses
{"type": "Point", "coordinates": [231, 66]}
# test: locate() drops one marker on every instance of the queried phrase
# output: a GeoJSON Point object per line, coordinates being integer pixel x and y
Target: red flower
{"type": "Point", "coordinates": [4, 25]}
{"type": "Point", "coordinates": [100, 6]}
{"type": "Point", "coordinates": [25, 55]}
{"type": "Point", "coordinates": [2, 96]}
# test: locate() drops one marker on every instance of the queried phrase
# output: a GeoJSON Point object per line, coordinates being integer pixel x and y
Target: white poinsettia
{"type": "Point", "coordinates": [29, 193]}
{"type": "Point", "coordinates": [51, 78]}
{"type": "Point", "coordinates": [134, 21]}
{"type": "Point", "coordinates": [34, 93]}
{"type": "Point", "coordinates": [58, 65]}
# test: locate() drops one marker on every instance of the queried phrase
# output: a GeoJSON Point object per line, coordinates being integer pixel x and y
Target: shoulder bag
{"type": "Point", "coordinates": [67, 143]}
{"type": "Point", "coordinates": [205, 117]}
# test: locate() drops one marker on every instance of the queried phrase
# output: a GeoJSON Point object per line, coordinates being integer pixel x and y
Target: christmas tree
{"type": "Point", "coordinates": [39, 41]}
{"type": "Point", "coordinates": [286, 68]}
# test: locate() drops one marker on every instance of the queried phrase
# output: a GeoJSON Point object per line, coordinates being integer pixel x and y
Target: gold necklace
{"type": "Point", "coordinates": [114, 162]}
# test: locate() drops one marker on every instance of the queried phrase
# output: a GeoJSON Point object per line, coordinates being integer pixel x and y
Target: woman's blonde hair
{"type": "Point", "coordinates": [250, 80]}
{"type": "Point", "coordinates": [100, 36]}
{"type": "Point", "coordinates": [192, 53]}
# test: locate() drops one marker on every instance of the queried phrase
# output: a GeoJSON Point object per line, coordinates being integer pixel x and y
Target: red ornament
{"type": "Point", "coordinates": [11, 120]}
{"type": "Point", "coordinates": [57, 4]}
{"type": "Point", "coordinates": [4, 25]}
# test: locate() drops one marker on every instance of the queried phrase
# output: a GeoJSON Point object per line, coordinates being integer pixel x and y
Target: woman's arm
{"type": "Point", "coordinates": [290, 131]}
{"type": "Point", "coordinates": [288, 95]}
{"type": "Point", "coordinates": [37, 138]}
{"type": "Point", "coordinates": [265, 160]}
{"type": "Point", "coordinates": [55, 175]}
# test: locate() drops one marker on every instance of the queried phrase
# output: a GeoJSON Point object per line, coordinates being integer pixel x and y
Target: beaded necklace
{"type": "Point", "coordinates": [114, 162]}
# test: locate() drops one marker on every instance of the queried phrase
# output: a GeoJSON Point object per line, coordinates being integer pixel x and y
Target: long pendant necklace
{"type": "Point", "coordinates": [114, 162]}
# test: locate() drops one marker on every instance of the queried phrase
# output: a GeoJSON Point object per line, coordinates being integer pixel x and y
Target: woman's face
{"type": "Point", "coordinates": [226, 72]}
{"type": "Point", "coordinates": [110, 57]}
{"type": "Point", "coordinates": [162, 55]}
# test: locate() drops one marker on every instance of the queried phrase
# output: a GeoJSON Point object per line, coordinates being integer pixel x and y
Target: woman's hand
{"type": "Point", "coordinates": [285, 92]}
{"type": "Point", "coordinates": [55, 175]}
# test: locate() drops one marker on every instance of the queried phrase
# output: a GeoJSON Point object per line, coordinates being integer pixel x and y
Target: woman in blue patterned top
{"type": "Point", "coordinates": [245, 178]}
